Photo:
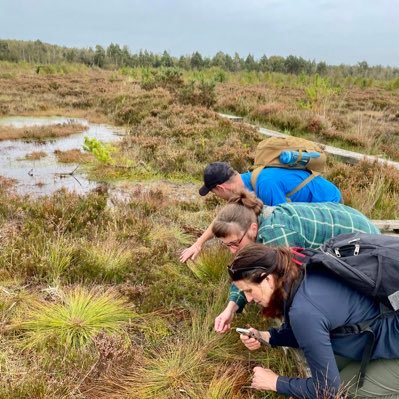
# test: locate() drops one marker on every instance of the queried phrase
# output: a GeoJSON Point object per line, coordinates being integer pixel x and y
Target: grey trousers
{"type": "Point", "coordinates": [381, 380]}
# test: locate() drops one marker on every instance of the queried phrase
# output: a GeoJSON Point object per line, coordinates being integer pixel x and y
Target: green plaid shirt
{"type": "Point", "coordinates": [305, 225]}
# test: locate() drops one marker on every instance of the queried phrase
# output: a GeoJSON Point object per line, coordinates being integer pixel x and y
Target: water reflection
{"type": "Point", "coordinates": [46, 175]}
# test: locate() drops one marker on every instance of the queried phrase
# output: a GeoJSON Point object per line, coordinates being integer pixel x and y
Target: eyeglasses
{"type": "Point", "coordinates": [235, 243]}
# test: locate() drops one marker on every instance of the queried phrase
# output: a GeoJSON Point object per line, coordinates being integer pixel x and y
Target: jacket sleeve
{"type": "Point", "coordinates": [283, 336]}
{"type": "Point", "coordinates": [311, 329]}
{"type": "Point", "coordinates": [235, 295]}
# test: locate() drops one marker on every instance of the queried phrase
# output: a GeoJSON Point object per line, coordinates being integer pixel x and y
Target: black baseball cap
{"type": "Point", "coordinates": [215, 173]}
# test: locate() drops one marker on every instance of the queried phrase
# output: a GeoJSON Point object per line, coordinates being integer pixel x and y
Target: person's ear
{"type": "Point", "coordinates": [270, 279]}
{"type": "Point", "coordinates": [253, 230]}
{"type": "Point", "coordinates": [224, 187]}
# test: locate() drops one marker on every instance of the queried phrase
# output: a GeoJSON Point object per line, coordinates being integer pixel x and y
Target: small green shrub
{"type": "Point", "coordinates": [101, 151]}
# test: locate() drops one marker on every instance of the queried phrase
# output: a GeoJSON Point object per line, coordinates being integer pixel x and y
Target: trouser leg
{"type": "Point", "coordinates": [381, 379]}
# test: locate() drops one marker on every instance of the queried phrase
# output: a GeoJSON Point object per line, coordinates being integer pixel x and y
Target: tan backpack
{"type": "Point", "coordinates": [268, 152]}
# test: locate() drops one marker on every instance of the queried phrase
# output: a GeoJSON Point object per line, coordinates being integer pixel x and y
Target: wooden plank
{"type": "Point", "coordinates": [387, 225]}
{"type": "Point", "coordinates": [233, 118]}
{"type": "Point", "coordinates": [391, 234]}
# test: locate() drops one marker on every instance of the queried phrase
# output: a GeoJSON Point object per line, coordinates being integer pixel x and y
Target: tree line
{"type": "Point", "coordinates": [115, 56]}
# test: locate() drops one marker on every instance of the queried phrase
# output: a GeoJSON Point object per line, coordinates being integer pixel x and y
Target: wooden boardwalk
{"type": "Point", "coordinates": [347, 156]}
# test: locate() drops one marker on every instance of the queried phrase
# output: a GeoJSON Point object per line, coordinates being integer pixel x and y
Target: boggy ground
{"type": "Point", "coordinates": [93, 300]}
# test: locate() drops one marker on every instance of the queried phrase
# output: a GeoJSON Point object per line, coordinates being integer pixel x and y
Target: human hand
{"type": "Point", "coordinates": [264, 379]}
{"type": "Point", "coordinates": [253, 343]}
{"type": "Point", "coordinates": [223, 321]}
{"type": "Point", "coordinates": [190, 253]}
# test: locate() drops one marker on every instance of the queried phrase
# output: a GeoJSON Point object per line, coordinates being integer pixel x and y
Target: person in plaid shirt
{"type": "Point", "coordinates": [307, 225]}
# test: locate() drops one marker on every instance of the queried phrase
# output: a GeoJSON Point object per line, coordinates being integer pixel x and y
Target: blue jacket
{"type": "Point", "coordinates": [274, 184]}
{"type": "Point", "coordinates": [321, 304]}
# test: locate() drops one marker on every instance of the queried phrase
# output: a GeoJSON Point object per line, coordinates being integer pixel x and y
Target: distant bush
{"type": "Point", "coordinates": [167, 78]}
{"type": "Point", "coordinates": [198, 93]}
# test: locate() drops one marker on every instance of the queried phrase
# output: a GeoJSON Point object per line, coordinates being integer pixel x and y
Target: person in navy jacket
{"type": "Point", "coordinates": [318, 302]}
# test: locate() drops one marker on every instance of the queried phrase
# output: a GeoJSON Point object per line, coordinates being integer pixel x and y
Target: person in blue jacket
{"type": "Point", "coordinates": [272, 187]}
{"type": "Point", "coordinates": [320, 302]}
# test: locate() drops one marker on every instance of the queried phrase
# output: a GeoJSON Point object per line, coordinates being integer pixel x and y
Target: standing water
{"type": "Point", "coordinates": [42, 176]}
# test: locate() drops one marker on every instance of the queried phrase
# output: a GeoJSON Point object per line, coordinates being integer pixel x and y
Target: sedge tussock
{"type": "Point", "coordinates": [211, 264]}
{"type": "Point", "coordinates": [174, 370]}
{"type": "Point", "coordinates": [180, 368]}
{"type": "Point", "coordinates": [227, 382]}
{"type": "Point", "coordinates": [103, 261]}
{"type": "Point", "coordinates": [169, 235]}
{"type": "Point", "coordinates": [73, 323]}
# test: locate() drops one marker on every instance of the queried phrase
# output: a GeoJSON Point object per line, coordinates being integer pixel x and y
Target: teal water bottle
{"type": "Point", "coordinates": [291, 157]}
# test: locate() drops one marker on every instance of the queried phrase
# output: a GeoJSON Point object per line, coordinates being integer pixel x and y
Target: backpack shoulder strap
{"type": "Point", "coordinates": [361, 328]}
{"type": "Point", "coordinates": [254, 176]}
{"type": "Point", "coordinates": [256, 172]}
{"type": "Point", "coordinates": [301, 185]}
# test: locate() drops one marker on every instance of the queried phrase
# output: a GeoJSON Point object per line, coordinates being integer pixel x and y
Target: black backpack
{"type": "Point", "coordinates": [370, 264]}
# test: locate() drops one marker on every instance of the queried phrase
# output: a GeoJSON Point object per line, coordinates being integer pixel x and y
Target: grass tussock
{"type": "Point", "coordinates": [72, 156]}
{"type": "Point", "coordinates": [102, 262]}
{"type": "Point", "coordinates": [178, 368]}
{"type": "Point", "coordinates": [74, 321]}
{"type": "Point", "coordinates": [211, 264]}
{"type": "Point", "coordinates": [35, 155]}
{"type": "Point", "coordinates": [41, 132]}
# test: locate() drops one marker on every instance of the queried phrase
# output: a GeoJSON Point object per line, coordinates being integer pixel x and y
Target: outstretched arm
{"type": "Point", "coordinates": [223, 321]}
{"type": "Point", "coordinates": [195, 249]}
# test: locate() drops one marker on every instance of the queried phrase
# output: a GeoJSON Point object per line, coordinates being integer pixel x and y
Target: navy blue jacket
{"type": "Point", "coordinates": [321, 304]}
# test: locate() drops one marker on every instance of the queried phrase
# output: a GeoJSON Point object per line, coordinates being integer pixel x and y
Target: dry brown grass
{"type": "Point", "coordinates": [372, 188]}
{"type": "Point", "coordinates": [6, 183]}
{"type": "Point", "coordinates": [75, 94]}
{"type": "Point", "coordinates": [72, 156]}
{"type": "Point", "coordinates": [35, 155]}
{"type": "Point", "coordinates": [41, 132]}
{"type": "Point", "coordinates": [366, 119]}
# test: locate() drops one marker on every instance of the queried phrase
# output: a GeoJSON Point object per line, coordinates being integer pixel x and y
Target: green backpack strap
{"type": "Point", "coordinates": [301, 185]}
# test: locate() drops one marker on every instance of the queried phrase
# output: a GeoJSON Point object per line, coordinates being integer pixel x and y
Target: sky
{"type": "Point", "coordinates": [334, 31]}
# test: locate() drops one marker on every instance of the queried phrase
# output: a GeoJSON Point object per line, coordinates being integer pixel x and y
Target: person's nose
{"type": "Point", "coordinates": [233, 249]}
{"type": "Point", "coordinates": [249, 297]}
